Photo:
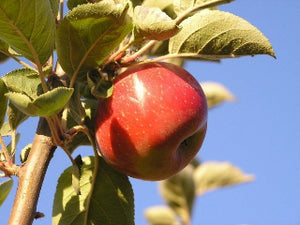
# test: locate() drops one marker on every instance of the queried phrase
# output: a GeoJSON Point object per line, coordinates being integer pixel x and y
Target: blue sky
{"type": "Point", "coordinates": [259, 133]}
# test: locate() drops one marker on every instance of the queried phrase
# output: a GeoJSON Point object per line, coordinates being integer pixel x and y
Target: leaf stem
{"type": "Point", "coordinates": [204, 5]}
{"type": "Point", "coordinates": [117, 53]}
{"type": "Point", "coordinates": [138, 53]}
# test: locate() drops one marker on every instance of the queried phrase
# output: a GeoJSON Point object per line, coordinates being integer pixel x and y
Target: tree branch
{"type": "Point", "coordinates": [31, 176]}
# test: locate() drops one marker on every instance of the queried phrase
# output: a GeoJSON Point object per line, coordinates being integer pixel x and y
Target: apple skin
{"type": "Point", "coordinates": [154, 123]}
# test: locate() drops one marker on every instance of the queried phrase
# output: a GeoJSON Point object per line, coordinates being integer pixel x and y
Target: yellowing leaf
{"type": "Point", "coordinates": [213, 175]}
{"type": "Point", "coordinates": [216, 93]}
{"type": "Point", "coordinates": [213, 35]}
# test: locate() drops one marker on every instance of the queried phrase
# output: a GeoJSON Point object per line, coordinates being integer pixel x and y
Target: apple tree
{"type": "Point", "coordinates": [71, 58]}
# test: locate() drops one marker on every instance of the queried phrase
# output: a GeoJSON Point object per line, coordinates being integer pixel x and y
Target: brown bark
{"type": "Point", "coordinates": [31, 176]}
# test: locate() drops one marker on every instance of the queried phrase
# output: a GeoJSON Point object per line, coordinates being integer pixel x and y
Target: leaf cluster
{"type": "Point", "coordinates": [69, 60]}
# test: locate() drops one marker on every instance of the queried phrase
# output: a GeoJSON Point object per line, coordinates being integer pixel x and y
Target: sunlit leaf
{"type": "Point", "coordinates": [5, 188]}
{"type": "Point", "coordinates": [179, 192]}
{"type": "Point", "coordinates": [160, 215]}
{"type": "Point", "coordinates": [89, 33]}
{"type": "Point", "coordinates": [28, 26]}
{"type": "Point", "coordinates": [3, 101]}
{"type": "Point", "coordinates": [25, 152]}
{"type": "Point", "coordinates": [23, 81]}
{"type": "Point", "coordinates": [153, 24]}
{"type": "Point", "coordinates": [216, 93]}
{"type": "Point", "coordinates": [44, 105]}
{"type": "Point", "coordinates": [166, 6]}
{"type": "Point", "coordinates": [182, 5]}
{"type": "Point", "coordinates": [5, 130]}
{"type": "Point", "coordinates": [213, 175]}
{"type": "Point", "coordinates": [111, 200]}
{"type": "Point", "coordinates": [214, 34]}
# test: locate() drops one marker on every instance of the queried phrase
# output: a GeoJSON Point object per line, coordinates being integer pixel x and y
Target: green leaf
{"type": "Point", "coordinates": [53, 101]}
{"type": "Point", "coordinates": [179, 192]}
{"type": "Point", "coordinates": [25, 152]}
{"type": "Point", "coordinates": [3, 51]}
{"type": "Point", "coordinates": [15, 116]}
{"type": "Point", "coordinates": [213, 175]}
{"type": "Point", "coordinates": [47, 104]}
{"type": "Point", "coordinates": [3, 101]}
{"type": "Point", "coordinates": [182, 5]}
{"type": "Point", "coordinates": [74, 3]}
{"type": "Point", "coordinates": [76, 174]}
{"type": "Point", "coordinates": [80, 138]}
{"type": "Point", "coordinates": [5, 130]}
{"type": "Point", "coordinates": [5, 188]}
{"type": "Point", "coordinates": [54, 6]}
{"type": "Point", "coordinates": [28, 26]}
{"type": "Point", "coordinates": [160, 215]}
{"type": "Point", "coordinates": [214, 34]}
{"type": "Point", "coordinates": [100, 87]}
{"type": "Point", "coordinates": [153, 24]}
{"type": "Point", "coordinates": [25, 81]}
{"type": "Point", "coordinates": [216, 93]}
{"type": "Point", "coordinates": [89, 33]}
{"type": "Point", "coordinates": [109, 200]}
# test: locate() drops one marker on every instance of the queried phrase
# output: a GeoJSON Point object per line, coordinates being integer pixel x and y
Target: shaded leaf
{"type": "Point", "coordinates": [28, 30]}
{"type": "Point", "coordinates": [47, 104]}
{"type": "Point", "coordinates": [15, 116]}
{"type": "Point", "coordinates": [216, 93]}
{"type": "Point", "coordinates": [3, 51]}
{"type": "Point", "coordinates": [25, 152]}
{"type": "Point", "coordinates": [89, 33]}
{"type": "Point", "coordinates": [153, 24]}
{"type": "Point", "coordinates": [80, 138]}
{"type": "Point", "coordinates": [160, 215]}
{"type": "Point", "coordinates": [212, 175]}
{"type": "Point", "coordinates": [5, 188]}
{"type": "Point", "coordinates": [76, 174]}
{"type": "Point", "coordinates": [215, 34]}
{"type": "Point", "coordinates": [23, 81]}
{"type": "Point", "coordinates": [54, 6]}
{"type": "Point", "coordinates": [111, 200]}
{"type": "Point", "coordinates": [3, 101]}
{"type": "Point", "coordinates": [73, 3]}
{"type": "Point", "coordinates": [179, 192]}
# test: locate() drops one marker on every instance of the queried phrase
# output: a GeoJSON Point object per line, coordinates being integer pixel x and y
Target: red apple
{"type": "Point", "coordinates": [154, 123]}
